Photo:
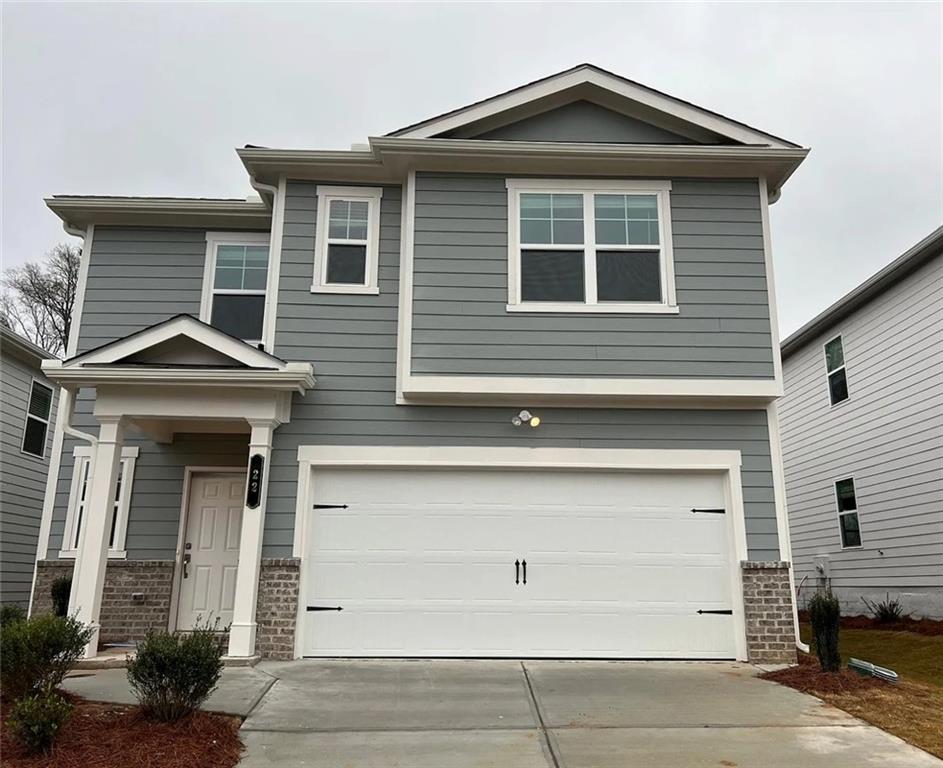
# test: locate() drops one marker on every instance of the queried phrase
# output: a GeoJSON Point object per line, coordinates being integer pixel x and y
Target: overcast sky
{"type": "Point", "coordinates": [151, 99]}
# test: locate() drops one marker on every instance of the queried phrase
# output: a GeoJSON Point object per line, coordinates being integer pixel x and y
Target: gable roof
{"type": "Point", "coordinates": [893, 273]}
{"type": "Point", "coordinates": [575, 81]}
{"type": "Point", "coordinates": [12, 342]}
{"type": "Point", "coordinates": [216, 342]}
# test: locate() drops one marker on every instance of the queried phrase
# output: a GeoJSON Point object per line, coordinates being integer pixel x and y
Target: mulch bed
{"type": "Point", "coordinates": [115, 736]}
{"type": "Point", "coordinates": [928, 627]}
{"type": "Point", "coordinates": [808, 677]}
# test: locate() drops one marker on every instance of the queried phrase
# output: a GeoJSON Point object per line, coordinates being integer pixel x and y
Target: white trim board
{"type": "Point", "coordinates": [311, 457]}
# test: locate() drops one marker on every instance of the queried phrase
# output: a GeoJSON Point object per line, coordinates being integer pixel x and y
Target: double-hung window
{"type": "Point", "coordinates": [835, 370]}
{"type": "Point", "coordinates": [589, 246]}
{"type": "Point", "coordinates": [235, 283]}
{"type": "Point", "coordinates": [847, 513]}
{"type": "Point", "coordinates": [36, 427]}
{"type": "Point", "coordinates": [78, 502]}
{"type": "Point", "coordinates": [347, 240]}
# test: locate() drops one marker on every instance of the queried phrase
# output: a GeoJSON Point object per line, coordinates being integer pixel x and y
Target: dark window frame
{"type": "Point", "coordinates": [34, 383]}
{"type": "Point", "coordinates": [837, 374]}
{"type": "Point", "coordinates": [847, 512]}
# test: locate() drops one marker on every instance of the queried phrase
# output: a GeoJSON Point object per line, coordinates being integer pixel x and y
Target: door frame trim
{"type": "Point", "coordinates": [726, 462]}
{"type": "Point", "coordinates": [188, 472]}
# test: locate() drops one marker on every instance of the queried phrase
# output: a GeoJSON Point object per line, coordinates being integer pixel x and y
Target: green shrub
{"type": "Point", "coordinates": [887, 611]}
{"type": "Point", "coordinates": [172, 674]}
{"type": "Point", "coordinates": [36, 719]}
{"type": "Point", "coordinates": [11, 612]}
{"type": "Point", "coordinates": [36, 653]}
{"type": "Point", "coordinates": [59, 591]}
{"type": "Point", "coordinates": [825, 615]}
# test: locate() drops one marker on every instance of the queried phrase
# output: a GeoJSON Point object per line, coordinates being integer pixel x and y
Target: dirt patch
{"type": "Point", "coordinates": [908, 710]}
{"type": "Point", "coordinates": [115, 736]}
{"type": "Point", "coordinates": [808, 677]}
{"type": "Point", "coordinates": [928, 627]}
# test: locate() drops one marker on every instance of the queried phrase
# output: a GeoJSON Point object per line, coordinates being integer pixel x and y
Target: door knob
{"type": "Point", "coordinates": [524, 564]}
{"type": "Point", "coordinates": [517, 571]}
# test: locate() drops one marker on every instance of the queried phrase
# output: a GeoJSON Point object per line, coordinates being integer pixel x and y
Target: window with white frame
{"type": "Point", "coordinates": [347, 240]}
{"type": "Point", "coordinates": [835, 370]}
{"type": "Point", "coordinates": [847, 513]}
{"type": "Point", "coordinates": [236, 283]}
{"type": "Point", "coordinates": [78, 500]}
{"type": "Point", "coordinates": [589, 246]}
{"type": "Point", "coordinates": [36, 426]}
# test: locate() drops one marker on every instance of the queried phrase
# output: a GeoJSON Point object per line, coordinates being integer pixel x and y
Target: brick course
{"type": "Point", "coordinates": [767, 603]}
{"type": "Point", "coordinates": [277, 608]}
{"type": "Point", "coordinates": [122, 618]}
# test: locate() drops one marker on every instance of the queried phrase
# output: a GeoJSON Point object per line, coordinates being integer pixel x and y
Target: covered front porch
{"type": "Point", "coordinates": [183, 378]}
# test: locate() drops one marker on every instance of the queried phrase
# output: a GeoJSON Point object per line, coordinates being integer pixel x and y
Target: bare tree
{"type": "Point", "coordinates": [38, 298]}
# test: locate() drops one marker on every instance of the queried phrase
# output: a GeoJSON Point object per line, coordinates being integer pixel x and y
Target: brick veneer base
{"type": "Point", "coordinates": [123, 618]}
{"type": "Point", "coordinates": [767, 603]}
{"type": "Point", "coordinates": [277, 608]}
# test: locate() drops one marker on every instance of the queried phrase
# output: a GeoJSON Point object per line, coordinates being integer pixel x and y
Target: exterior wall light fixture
{"type": "Point", "coordinates": [526, 417]}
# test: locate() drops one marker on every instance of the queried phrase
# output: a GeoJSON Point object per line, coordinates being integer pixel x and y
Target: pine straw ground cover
{"type": "Point", "coordinates": [116, 736]}
{"type": "Point", "coordinates": [912, 711]}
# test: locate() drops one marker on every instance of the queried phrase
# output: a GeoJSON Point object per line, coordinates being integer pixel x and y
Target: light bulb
{"type": "Point", "coordinates": [535, 421]}
{"type": "Point", "coordinates": [516, 421]}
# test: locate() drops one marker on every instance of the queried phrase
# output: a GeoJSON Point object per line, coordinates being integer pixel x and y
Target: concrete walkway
{"type": "Point", "coordinates": [458, 714]}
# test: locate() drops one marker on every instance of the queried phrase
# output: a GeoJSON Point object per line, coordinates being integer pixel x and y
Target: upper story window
{"type": "Point", "coordinates": [347, 240]}
{"type": "Point", "coordinates": [835, 369]}
{"type": "Point", "coordinates": [78, 498]}
{"type": "Point", "coordinates": [589, 246]}
{"type": "Point", "coordinates": [235, 283]}
{"type": "Point", "coordinates": [36, 427]}
{"type": "Point", "coordinates": [847, 513]}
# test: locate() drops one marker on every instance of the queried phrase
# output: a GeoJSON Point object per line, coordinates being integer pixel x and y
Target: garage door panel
{"type": "Point", "coordinates": [423, 564]}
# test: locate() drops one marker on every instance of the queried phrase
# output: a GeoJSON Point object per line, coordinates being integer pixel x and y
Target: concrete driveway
{"type": "Point", "coordinates": [458, 714]}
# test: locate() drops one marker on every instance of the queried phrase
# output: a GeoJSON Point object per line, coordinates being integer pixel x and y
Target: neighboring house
{"type": "Point", "coordinates": [501, 383]}
{"type": "Point", "coordinates": [27, 409]}
{"type": "Point", "coordinates": [862, 433]}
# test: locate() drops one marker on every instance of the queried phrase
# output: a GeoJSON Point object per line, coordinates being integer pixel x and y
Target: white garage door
{"type": "Point", "coordinates": [432, 563]}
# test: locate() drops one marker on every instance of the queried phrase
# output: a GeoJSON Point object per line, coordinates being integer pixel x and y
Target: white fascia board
{"type": "Point", "coordinates": [518, 457]}
{"type": "Point", "coordinates": [179, 326]}
{"type": "Point", "coordinates": [82, 211]}
{"type": "Point", "coordinates": [590, 389]}
{"type": "Point", "coordinates": [639, 94]}
{"type": "Point", "coordinates": [295, 376]}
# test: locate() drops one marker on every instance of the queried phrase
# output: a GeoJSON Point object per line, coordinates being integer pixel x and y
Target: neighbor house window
{"type": "Point", "coordinates": [847, 513]}
{"type": "Point", "coordinates": [347, 240]}
{"type": "Point", "coordinates": [589, 246]}
{"type": "Point", "coordinates": [36, 426]}
{"type": "Point", "coordinates": [236, 283]}
{"type": "Point", "coordinates": [78, 502]}
{"type": "Point", "coordinates": [835, 368]}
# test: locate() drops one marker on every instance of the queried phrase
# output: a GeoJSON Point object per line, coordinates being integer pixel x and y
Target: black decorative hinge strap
{"type": "Point", "coordinates": [330, 506]}
{"type": "Point", "coordinates": [722, 613]}
{"type": "Point", "coordinates": [325, 608]}
{"type": "Point", "coordinates": [710, 511]}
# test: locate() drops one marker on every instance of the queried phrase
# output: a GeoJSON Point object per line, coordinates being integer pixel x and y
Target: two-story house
{"type": "Point", "coordinates": [27, 408]}
{"type": "Point", "coordinates": [499, 383]}
{"type": "Point", "coordinates": [862, 432]}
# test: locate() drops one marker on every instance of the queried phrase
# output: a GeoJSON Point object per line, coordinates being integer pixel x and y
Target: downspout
{"type": "Point", "coordinates": [274, 262]}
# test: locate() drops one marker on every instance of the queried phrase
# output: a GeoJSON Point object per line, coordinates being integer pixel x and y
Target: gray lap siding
{"type": "Point", "coordinates": [140, 277]}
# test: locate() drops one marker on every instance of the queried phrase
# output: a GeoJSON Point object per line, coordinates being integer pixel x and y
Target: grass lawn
{"type": "Point", "coordinates": [915, 658]}
{"type": "Point", "coordinates": [911, 709]}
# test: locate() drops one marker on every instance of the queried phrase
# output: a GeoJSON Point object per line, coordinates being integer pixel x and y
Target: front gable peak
{"type": "Point", "coordinates": [609, 108]}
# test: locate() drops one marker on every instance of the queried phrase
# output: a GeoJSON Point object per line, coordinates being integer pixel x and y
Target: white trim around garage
{"type": "Point", "coordinates": [311, 457]}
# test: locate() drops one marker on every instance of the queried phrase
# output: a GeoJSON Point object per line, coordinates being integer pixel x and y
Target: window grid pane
{"type": "Point", "coordinates": [834, 354]}
{"type": "Point", "coordinates": [551, 219]}
{"type": "Point", "coordinates": [850, 530]}
{"type": "Point", "coordinates": [845, 492]}
{"type": "Point", "coordinates": [626, 219]}
{"type": "Point", "coordinates": [34, 437]}
{"type": "Point", "coordinates": [241, 267]}
{"type": "Point", "coordinates": [348, 219]}
{"type": "Point", "coordinates": [40, 401]}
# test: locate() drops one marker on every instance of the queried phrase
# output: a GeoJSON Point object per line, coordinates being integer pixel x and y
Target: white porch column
{"type": "Point", "coordinates": [89, 577]}
{"type": "Point", "coordinates": [242, 630]}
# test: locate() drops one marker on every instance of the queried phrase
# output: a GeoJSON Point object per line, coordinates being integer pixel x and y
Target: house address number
{"type": "Point", "coordinates": [254, 488]}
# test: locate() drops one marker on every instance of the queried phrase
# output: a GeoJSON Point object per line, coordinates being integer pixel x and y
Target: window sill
{"type": "Point", "coordinates": [363, 290]}
{"type": "Point", "coordinates": [113, 554]}
{"type": "Point", "coordinates": [617, 309]}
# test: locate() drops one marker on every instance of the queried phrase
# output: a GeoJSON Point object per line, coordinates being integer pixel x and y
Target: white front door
{"type": "Point", "coordinates": [432, 563]}
{"type": "Point", "coordinates": [211, 549]}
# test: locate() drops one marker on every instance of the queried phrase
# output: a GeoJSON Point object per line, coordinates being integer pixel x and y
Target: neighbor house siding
{"type": "Point", "coordinates": [352, 342]}
{"type": "Point", "coordinates": [138, 277]}
{"type": "Point", "coordinates": [888, 435]}
{"type": "Point", "coordinates": [460, 291]}
{"type": "Point", "coordinates": [24, 479]}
